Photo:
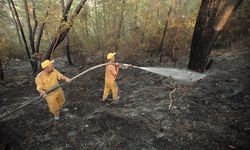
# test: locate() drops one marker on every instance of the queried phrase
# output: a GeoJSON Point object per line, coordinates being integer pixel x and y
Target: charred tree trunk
{"type": "Point", "coordinates": [66, 9]}
{"type": "Point", "coordinates": [41, 28]}
{"type": "Point", "coordinates": [67, 50]}
{"type": "Point", "coordinates": [63, 30]}
{"type": "Point", "coordinates": [209, 23]}
{"type": "Point", "coordinates": [105, 27]}
{"type": "Point", "coordinates": [223, 18]}
{"type": "Point", "coordinates": [16, 24]}
{"type": "Point", "coordinates": [22, 32]}
{"type": "Point", "coordinates": [97, 27]}
{"type": "Point", "coordinates": [39, 35]}
{"type": "Point", "coordinates": [38, 41]}
{"type": "Point", "coordinates": [135, 27]}
{"type": "Point", "coordinates": [32, 44]}
{"type": "Point", "coordinates": [202, 35]}
{"type": "Point", "coordinates": [66, 41]}
{"type": "Point", "coordinates": [35, 20]}
{"type": "Point", "coordinates": [119, 30]}
{"type": "Point", "coordinates": [35, 61]}
{"type": "Point", "coordinates": [160, 51]}
{"type": "Point", "coordinates": [1, 71]}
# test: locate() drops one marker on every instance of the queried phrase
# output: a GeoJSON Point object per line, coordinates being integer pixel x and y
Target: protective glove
{"type": "Point", "coordinates": [43, 94]}
{"type": "Point", "coordinates": [68, 80]}
{"type": "Point", "coordinates": [117, 64]}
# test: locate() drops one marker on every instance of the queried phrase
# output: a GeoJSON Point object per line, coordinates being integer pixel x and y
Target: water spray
{"type": "Point", "coordinates": [177, 74]}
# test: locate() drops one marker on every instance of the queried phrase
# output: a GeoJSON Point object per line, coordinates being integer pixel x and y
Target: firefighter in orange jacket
{"type": "Point", "coordinates": [111, 72]}
{"type": "Point", "coordinates": [47, 79]}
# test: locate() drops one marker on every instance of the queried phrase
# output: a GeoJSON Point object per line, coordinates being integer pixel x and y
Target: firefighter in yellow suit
{"type": "Point", "coordinates": [47, 79]}
{"type": "Point", "coordinates": [111, 72]}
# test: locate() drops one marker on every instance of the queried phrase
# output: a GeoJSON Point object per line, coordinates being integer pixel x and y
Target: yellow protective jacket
{"type": "Point", "coordinates": [45, 82]}
{"type": "Point", "coordinates": [110, 73]}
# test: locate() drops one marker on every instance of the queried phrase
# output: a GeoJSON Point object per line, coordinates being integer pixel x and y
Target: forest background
{"type": "Point", "coordinates": [136, 29]}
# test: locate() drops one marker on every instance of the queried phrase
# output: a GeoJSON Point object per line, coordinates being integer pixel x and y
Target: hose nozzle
{"type": "Point", "coordinates": [129, 65]}
{"type": "Point", "coordinates": [126, 65]}
{"type": "Point", "coordinates": [134, 66]}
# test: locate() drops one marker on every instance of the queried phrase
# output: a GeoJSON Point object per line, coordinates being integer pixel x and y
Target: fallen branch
{"type": "Point", "coordinates": [171, 100]}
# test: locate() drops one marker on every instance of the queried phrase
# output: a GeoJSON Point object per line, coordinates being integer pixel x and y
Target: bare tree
{"type": "Point", "coordinates": [97, 26]}
{"type": "Point", "coordinates": [66, 41]}
{"type": "Point", "coordinates": [160, 51]}
{"type": "Point", "coordinates": [15, 22]}
{"type": "Point", "coordinates": [210, 22]}
{"type": "Point", "coordinates": [33, 59]}
{"type": "Point", "coordinates": [34, 18]}
{"type": "Point", "coordinates": [120, 25]}
{"type": "Point", "coordinates": [22, 32]}
{"type": "Point", "coordinates": [32, 45]}
{"type": "Point", "coordinates": [39, 36]}
{"type": "Point", "coordinates": [40, 32]}
{"type": "Point", "coordinates": [63, 29]}
{"type": "Point", "coordinates": [32, 33]}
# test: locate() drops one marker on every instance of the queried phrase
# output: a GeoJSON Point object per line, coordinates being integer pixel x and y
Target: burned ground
{"type": "Point", "coordinates": [212, 113]}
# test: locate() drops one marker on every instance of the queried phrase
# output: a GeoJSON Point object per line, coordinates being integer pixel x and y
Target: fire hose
{"type": "Point", "coordinates": [58, 86]}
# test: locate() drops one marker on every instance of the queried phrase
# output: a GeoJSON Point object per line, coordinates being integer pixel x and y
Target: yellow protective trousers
{"type": "Point", "coordinates": [56, 101]}
{"type": "Point", "coordinates": [110, 85]}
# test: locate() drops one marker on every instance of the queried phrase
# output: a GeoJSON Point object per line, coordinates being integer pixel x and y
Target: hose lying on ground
{"type": "Point", "coordinates": [51, 90]}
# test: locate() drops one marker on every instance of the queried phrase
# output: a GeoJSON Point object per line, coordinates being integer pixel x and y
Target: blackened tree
{"type": "Point", "coordinates": [212, 18]}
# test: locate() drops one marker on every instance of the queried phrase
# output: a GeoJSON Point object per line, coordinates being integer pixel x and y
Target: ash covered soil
{"type": "Point", "coordinates": [213, 113]}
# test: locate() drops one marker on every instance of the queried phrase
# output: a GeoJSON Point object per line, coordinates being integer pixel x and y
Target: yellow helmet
{"type": "Point", "coordinates": [110, 55]}
{"type": "Point", "coordinates": [46, 63]}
